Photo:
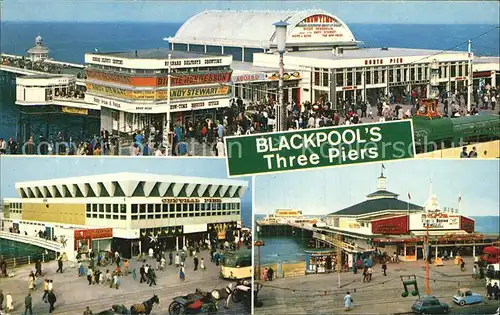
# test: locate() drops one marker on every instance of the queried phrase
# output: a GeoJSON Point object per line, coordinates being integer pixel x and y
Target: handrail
{"type": "Point", "coordinates": [33, 240]}
{"type": "Point", "coordinates": [27, 260]}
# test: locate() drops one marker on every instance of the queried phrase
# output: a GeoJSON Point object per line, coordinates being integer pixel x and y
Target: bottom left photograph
{"type": "Point", "coordinates": [121, 235]}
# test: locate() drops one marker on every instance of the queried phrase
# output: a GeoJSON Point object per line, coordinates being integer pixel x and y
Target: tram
{"type": "Point", "coordinates": [237, 265]}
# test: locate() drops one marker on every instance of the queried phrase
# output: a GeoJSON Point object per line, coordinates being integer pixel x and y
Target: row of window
{"type": "Point", "coordinates": [106, 208]}
{"type": "Point", "coordinates": [376, 75]}
{"type": "Point", "coordinates": [185, 207]}
{"type": "Point", "coordinates": [161, 215]}
{"type": "Point", "coordinates": [15, 205]}
{"type": "Point", "coordinates": [184, 215]}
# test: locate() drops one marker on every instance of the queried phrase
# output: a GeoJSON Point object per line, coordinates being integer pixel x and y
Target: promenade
{"type": "Point", "coordinates": [74, 293]}
{"type": "Point", "coordinates": [306, 294]}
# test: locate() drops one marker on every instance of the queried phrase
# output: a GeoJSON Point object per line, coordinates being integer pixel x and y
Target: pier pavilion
{"type": "Point", "coordinates": [126, 211]}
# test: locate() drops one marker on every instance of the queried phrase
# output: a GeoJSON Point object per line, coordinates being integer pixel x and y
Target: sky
{"type": "Point", "coordinates": [24, 168]}
{"type": "Point", "coordinates": [406, 12]}
{"type": "Point", "coordinates": [328, 190]}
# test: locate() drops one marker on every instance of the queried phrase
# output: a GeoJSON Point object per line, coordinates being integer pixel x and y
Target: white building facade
{"type": "Point", "coordinates": [138, 210]}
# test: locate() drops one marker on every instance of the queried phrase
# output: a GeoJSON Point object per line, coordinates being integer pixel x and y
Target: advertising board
{"type": "Point", "coordinates": [175, 94]}
{"type": "Point", "coordinates": [390, 226]}
{"type": "Point", "coordinates": [435, 221]}
{"type": "Point", "coordinates": [93, 234]}
{"type": "Point", "coordinates": [322, 147]}
{"type": "Point", "coordinates": [320, 28]}
{"type": "Point", "coordinates": [467, 224]}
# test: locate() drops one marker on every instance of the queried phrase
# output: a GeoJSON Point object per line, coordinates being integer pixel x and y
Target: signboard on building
{"type": "Point", "coordinates": [179, 93]}
{"type": "Point", "coordinates": [190, 200]}
{"type": "Point", "coordinates": [250, 77]}
{"type": "Point", "coordinates": [286, 76]}
{"type": "Point", "coordinates": [93, 234]}
{"type": "Point", "coordinates": [467, 224]}
{"type": "Point", "coordinates": [390, 226]}
{"type": "Point", "coordinates": [156, 108]}
{"type": "Point", "coordinates": [435, 221]}
{"type": "Point", "coordinates": [320, 28]}
{"type": "Point", "coordinates": [323, 147]}
{"type": "Point", "coordinates": [74, 110]}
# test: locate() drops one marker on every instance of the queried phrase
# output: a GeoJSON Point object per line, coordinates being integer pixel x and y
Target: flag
{"type": "Point", "coordinates": [459, 198]}
{"type": "Point", "coordinates": [409, 196]}
{"type": "Point", "coordinates": [383, 166]}
{"type": "Point", "coordinates": [96, 50]}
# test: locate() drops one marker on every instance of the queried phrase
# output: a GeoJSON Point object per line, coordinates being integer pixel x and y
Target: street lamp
{"type": "Point", "coordinates": [281, 27]}
{"type": "Point", "coordinates": [168, 114]}
{"type": "Point", "coordinates": [258, 244]}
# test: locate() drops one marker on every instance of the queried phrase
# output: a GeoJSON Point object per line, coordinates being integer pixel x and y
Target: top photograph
{"type": "Point", "coordinates": [171, 79]}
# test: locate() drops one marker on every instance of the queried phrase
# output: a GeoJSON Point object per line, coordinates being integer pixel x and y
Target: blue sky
{"type": "Point", "coordinates": [331, 189]}
{"type": "Point", "coordinates": [412, 12]}
{"type": "Point", "coordinates": [15, 169]}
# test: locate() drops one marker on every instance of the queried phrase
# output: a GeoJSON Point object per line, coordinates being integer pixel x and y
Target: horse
{"type": "Point", "coordinates": [115, 310]}
{"type": "Point", "coordinates": [144, 307]}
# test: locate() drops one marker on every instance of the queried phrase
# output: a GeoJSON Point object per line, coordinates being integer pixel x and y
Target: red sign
{"type": "Point", "coordinates": [347, 88]}
{"type": "Point", "coordinates": [374, 62]}
{"type": "Point", "coordinates": [460, 78]}
{"type": "Point", "coordinates": [396, 60]}
{"type": "Point", "coordinates": [93, 234]}
{"type": "Point", "coordinates": [192, 79]}
{"type": "Point", "coordinates": [390, 226]}
{"type": "Point", "coordinates": [466, 224]}
{"type": "Point", "coordinates": [482, 74]}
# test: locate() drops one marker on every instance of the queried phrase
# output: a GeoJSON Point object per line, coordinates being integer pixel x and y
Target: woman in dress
{"type": "Point", "coordinates": [9, 304]}
{"type": "Point", "coordinates": [31, 281]}
{"type": "Point", "coordinates": [347, 302]}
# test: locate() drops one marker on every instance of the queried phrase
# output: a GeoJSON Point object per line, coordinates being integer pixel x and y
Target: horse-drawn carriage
{"type": "Point", "coordinates": [143, 308]}
{"type": "Point", "coordinates": [195, 303]}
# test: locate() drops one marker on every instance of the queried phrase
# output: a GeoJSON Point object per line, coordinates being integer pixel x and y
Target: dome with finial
{"type": "Point", "coordinates": [39, 40]}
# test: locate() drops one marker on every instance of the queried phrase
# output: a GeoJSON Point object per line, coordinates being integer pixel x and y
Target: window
{"type": "Point", "coordinates": [460, 70]}
{"type": "Point", "coordinates": [412, 73]}
{"type": "Point", "coordinates": [325, 78]}
{"type": "Point", "coordinates": [191, 207]}
{"type": "Point", "coordinates": [123, 208]}
{"type": "Point", "coordinates": [151, 216]}
{"type": "Point", "coordinates": [123, 217]}
{"type": "Point", "coordinates": [142, 217]}
{"type": "Point", "coordinates": [316, 77]}
{"type": "Point", "coordinates": [115, 217]}
{"type": "Point", "coordinates": [108, 208]}
{"type": "Point", "coordinates": [339, 77]}
{"type": "Point", "coordinates": [158, 208]}
{"type": "Point", "coordinates": [184, 207]}
{"type": "Point", "coordinates": [94, 207]}
{"type": "Point", "coordinates": [115, 208]}
{"type": "Point", "coordinates": [349, 77]}
{"type": "Point", "coordinates": [453, 70]}
{"type": "Point", "coordinates": [108, 216]}
{"type": "Point", "coordinates": [101, 216]}
{"type": "Point", "coordinates": [88, 207]}
{"type": "Point", "coordinates": [134, 217]}
{"type": "Point", "coordinates": [197, 207]}
{"type": "Point", "coordinates": [101, 208]}
{"type": "Point", "coordinates": [134, 208]}
{"type": "Point", "coordinates": [358, 77]}
{"type": "Point", "coordinates": [142, 208]}
{"type": "Point", "coordinates": [219, 206]}
{"type": "Point", "coordinates": [88, 215]}
{"type": "Point", "coordinates": [150, 208]}
{"type": "Point", "coordinates": [158, 216]}
{"type": "Point", "coordinates": [165, 207]}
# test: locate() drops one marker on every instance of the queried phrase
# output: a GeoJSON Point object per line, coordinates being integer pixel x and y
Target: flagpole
{"type": "Point", "coordinates": [459, 201]}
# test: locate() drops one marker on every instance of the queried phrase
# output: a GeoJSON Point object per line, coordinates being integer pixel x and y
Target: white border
{"type": "Point", "coordinates": [410, 121]}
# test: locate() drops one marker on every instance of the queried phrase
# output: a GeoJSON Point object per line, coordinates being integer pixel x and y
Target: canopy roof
{"type": "Point", "coordinates": [252, 28]}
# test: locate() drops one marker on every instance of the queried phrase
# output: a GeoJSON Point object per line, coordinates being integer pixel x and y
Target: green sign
{"type": "Point", "coordinates": [322, 147]}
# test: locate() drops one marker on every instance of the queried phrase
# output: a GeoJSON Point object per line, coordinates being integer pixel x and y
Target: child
{"type": "Point", "coordinates": [202, 264]}
{"type": "Point", "coordinates": [182, 275]}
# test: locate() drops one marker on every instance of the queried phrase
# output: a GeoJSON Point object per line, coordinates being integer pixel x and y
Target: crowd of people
{"type": "Point", "coordinates": [205, 136]}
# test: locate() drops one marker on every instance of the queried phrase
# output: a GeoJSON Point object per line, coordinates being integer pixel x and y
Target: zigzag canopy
{"type": "Point", "coordinates": [132, 185]}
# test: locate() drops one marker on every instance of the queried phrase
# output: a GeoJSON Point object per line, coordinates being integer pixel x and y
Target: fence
{"type": "Point", "coordinates": [26, 260]}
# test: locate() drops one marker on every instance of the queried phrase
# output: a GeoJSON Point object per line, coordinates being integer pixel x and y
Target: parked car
{"type": "Point", "coordinates": [465, 296]}
{"type": "Point", "coordinates": [429, 305]}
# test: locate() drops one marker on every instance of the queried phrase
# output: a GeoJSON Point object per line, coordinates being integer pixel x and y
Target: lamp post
{"type": "Point", "coordinates": [281, 123]}
{"type": "Point", "coordinates": [470, 76]}
{"type": "Point", "coordinates": [258, 244]}
{"type": "Point", "coordinates": [169, 142]}
{"type": "Point", "coordinates": [427, 257]}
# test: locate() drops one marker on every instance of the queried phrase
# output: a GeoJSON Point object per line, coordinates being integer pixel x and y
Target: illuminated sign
{"type": "Point", "coordinates": [175, 80]}
{"type": "Point", "coordinates": [190, 200]}
{"type": "Point", "coordinates": [93, 234]}
{"type": "Point", "coordinates": [318, 28]}
{"type": "Point", "coordinates": [184, 93]}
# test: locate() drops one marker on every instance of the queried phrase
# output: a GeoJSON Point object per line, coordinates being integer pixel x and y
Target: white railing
{"type": "Point", "coordinates": [32, 240]}
{"type": "Point", "coordinates": [345, 246]}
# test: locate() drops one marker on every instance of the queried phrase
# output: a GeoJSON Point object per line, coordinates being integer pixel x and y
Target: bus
{"type": "Point", "coordinates": [493, 274]}
{"type": "Point", "coordinates": [237, 265]}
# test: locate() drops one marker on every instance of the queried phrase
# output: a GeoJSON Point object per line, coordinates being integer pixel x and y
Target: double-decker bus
{"type": "Point", "coordinates": [237, 264]}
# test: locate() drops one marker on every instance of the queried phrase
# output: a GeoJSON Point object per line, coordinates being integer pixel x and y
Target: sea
{"type": "Point", "coordinates": [69, 41]}
{"type": "Point", "coordinates": [291, 250]}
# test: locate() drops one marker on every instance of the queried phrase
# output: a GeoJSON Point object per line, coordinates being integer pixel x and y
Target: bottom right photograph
{"type": "Point", "coordinates": [413, 236]}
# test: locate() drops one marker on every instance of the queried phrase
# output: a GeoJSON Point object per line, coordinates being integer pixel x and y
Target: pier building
{"type": "Point", "coordinates": [324, 61]}
{"type": "Point", "coordinates": [127, 212]}
{"type": "Point", "coordinates": [156, 87]}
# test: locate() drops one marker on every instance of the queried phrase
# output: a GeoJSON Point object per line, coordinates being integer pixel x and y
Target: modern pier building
{"type": "Point", "coordinates": [127, 212]}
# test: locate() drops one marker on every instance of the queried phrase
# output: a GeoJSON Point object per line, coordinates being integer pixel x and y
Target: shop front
{"type": "Point", "coordinates": [320, 261]}
{"type": "Point", "coordinates": [96, 240]}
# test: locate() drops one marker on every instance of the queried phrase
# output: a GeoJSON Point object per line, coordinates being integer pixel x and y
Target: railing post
{"type": "Point", "coordinates": [43, 257]}
{"type": "Point", "coordinates": [29, 260]}
{"type": "Point", "coordinates": [14, 260]}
